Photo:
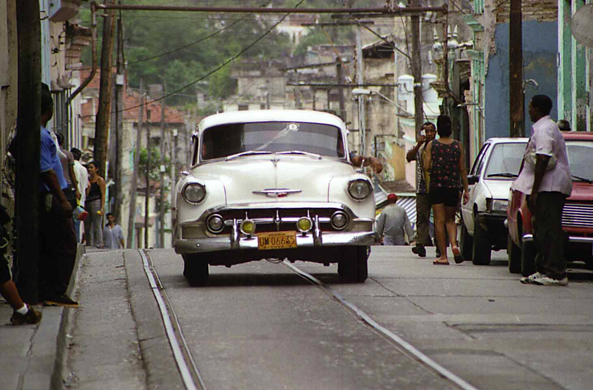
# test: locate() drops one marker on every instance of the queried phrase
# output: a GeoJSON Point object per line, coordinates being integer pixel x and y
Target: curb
{"type": "Point", "coordinates": [59, 376]}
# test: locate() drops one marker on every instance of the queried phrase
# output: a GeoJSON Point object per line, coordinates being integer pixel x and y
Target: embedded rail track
{"type": "Point", "coordinates": [190, 373]}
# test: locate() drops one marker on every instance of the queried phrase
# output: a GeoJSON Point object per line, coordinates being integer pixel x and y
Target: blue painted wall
{"type": "Point", "coordinates": [540, 48]}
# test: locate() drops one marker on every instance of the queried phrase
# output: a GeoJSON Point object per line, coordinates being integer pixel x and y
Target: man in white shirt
{"type": "Point", "coordinates": [545, 177]}
{"type": "Point", "coordinates": [82, 176]}
{"type": "Point", "coordinates": [393, 223]}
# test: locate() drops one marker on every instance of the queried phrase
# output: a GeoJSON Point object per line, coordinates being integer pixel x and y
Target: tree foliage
{"type": "Point", "coordinates": [180, 48]}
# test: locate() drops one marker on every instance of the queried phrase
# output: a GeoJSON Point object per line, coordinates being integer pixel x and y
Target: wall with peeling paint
{"type": "Point", "coordinates": [540, 47]}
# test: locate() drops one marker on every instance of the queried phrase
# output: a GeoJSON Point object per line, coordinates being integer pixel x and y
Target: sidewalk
{"type": "Point", "coordinates": [31, 355]}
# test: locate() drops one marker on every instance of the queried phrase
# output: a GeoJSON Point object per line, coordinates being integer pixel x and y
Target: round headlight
{"type": "Point", "coordinates": [339, 220]}
{"type": "Point", "coordinates": [194, 192]}
{"type": "Point", "coordinates": [247, 227]}
{"type": "Point", "coordinates": [215, 223]}
{"type": "Point", "coordinates": [359, 189]}
{"type": "Point", "coordinates": [304, 224]}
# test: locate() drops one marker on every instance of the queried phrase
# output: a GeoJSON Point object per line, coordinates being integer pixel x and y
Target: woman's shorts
{"type": "Point", "coordinates": [448, 196]}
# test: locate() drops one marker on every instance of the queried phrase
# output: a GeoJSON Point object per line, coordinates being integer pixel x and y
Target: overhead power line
{"type": "Point", "coordinates": [221, 65]}
{"type": "Point", "coordinates": [190, 44]}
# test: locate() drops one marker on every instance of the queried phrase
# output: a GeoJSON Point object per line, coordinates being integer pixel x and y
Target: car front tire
{"type": "Point", "coordinates": [482, 248]}
{"type": "Point", "coordinates": [353, 267]}
{"type": "Point", "coordinates": [195, 270]}
{"type": "Point", "coordinates": [514, 255]}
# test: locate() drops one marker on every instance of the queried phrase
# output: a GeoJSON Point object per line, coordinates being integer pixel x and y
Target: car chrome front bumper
{"type": "Point", "coordinates": [200, 245]}
{"type": "Point", "coordinates": [576, 239]}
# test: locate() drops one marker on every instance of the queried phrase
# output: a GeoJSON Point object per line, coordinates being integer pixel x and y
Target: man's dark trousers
{"type": "Point", "coordinates": [58, 248]}
{"type": "Point", "coordinates": [423, 220]}
{"type": "Point", "coordinates": [548, 234]}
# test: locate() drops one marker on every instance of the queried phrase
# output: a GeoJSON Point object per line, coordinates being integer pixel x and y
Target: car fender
{"type": "Point", "coordinates": [215, 196]}
{"type": "Point", "coordinates": [338, 192]}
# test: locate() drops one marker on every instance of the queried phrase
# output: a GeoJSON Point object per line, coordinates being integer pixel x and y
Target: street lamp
{"type": "Point", "coordinates": [361, 92]}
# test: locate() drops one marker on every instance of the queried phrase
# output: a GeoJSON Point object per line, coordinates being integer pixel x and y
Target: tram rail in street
{"type": "Point", "coordinates": [190, 374]}
{"type": "Point", "coordinates": [375, 326]}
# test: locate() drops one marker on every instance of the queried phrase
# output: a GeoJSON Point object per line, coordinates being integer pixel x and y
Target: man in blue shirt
{"type": "Point", "coordinates": [56, 231]}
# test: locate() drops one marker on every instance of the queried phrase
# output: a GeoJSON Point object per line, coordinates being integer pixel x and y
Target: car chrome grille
{"type": "Point", "coordinates": [272, 220]}
{"type": "Point", "coordinates": [577, 215]}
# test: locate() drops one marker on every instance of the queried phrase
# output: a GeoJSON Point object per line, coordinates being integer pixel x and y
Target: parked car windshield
{"type": "Point", "coordinates": [226, 140]}
{"type": "Point", "coordinates": [505, 161]}
{"type": "Point", "coordinates": [580, 158]}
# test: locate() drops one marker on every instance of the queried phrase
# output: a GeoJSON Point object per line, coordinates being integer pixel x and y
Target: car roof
{"type": "Point", "coordinates": [500, 140]}
{"type": "Point", "coordinates": [251, 116]}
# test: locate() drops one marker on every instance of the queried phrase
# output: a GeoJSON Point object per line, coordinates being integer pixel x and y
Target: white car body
{"type": "Point", "coordinates": [273, 190]}
{"type": "Point", "coordinates": [490, 177]}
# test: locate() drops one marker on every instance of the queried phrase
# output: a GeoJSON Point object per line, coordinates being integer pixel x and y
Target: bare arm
{"type": "Point", "coordinates": [463, 173]}
{"type": "Point", "coordinates": [540, 170]}
{"type": "Point", "coordinates": [73, 179]}
{"type": "Point", "coordinates": [428, 157]}
{"type": "Point", "coordinates": [51, 180]}
{"type": "Point", "coordinates": [411, 155]}
{"type": "Point", "coordinates": [101, 182]}
{"type": "Point", "coordinates": [366, 161]}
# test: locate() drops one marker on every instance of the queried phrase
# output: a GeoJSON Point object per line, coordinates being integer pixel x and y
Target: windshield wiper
{"type": "Point", "coordinates": [589, 181]}
{"type": "Point", "coordinates": [505, 174]}
{"type": "Point", "coordinates": [247, 153]}
{"type": "Point", "coordinates": [317, 156]}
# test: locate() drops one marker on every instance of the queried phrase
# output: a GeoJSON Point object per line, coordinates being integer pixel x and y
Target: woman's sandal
{"type": "Point", "coordinates": [457, 255]}
{"type": "Point", "coordinates": [440, 262]}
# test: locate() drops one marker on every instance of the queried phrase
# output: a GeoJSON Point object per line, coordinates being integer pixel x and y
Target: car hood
{"type": "Point", "coordinates": [581, 192]}
{"type": "Point", "coordinates": [499, 189]}
{"type": "Point", "coordinates": [247, 179]}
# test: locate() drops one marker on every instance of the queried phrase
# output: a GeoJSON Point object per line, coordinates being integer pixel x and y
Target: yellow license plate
{"type": "Point", "coordinates": [276, 240]}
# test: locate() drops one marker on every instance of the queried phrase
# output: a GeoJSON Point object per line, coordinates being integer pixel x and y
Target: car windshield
{"type": "Point", "coordinates": [580, 158]}
{"type": "Point", "coordinates": [231, 139]}
{"type": "Point", "coordinates": [505, 161]}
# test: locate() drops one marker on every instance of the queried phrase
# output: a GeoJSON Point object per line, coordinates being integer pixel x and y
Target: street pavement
{"type": "Point", "coordinates": [477, 321]}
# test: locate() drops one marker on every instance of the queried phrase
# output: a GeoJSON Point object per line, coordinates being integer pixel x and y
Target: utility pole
{"type": "Point", "coordinates": [417, 69]}
{"type": "Point", "coordinates": [360, 82]}
{"type": "Point", "coordinates": [340, 76]}
{"type": "Point", "coordinates": [104, 112]}
{"type": "Point", "coordinates": [132, 214]}
{"type": "Point", "coordinates": [119, 96]}
{"type": "Point", "coordinates": [162, 205]}
{"type": "Point", "coordinates": [26, 215]}
{"type": "Point", "coordinates": [147, 199]}
{"type": "Point", "coordinates": [516, 98]}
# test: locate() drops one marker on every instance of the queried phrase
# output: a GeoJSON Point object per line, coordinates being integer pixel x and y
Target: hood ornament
{"type": "Point", "coordinates": [277, 192]}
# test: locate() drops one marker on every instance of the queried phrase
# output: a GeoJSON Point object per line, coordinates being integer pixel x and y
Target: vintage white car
{"type": "Point", "coordinates": [273, 184]}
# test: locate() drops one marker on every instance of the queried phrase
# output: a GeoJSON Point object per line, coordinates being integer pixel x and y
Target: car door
{"type": "Point", "coordinates": [475, 173]}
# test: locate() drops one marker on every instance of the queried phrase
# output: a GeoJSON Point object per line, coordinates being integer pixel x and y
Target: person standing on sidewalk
{"type": "Point", "coordinates": [22, 313]}
{"type": "Point", "coordinates": [422, 239]}
{"type": "Point", "coordinates": [95, 199]}
{"type": "Point", "coordinates": [56, 231]}
{"type": "Point", "coordinates": [545, 176]}
{"type": "Point", "coordinates": [82, 177]}
{"type": "Point", "coordinates": [113, 235]}
{"type": "Point", "coordinates": [446, 162]}
{"type": "Point", "coordinates": [393, 224]}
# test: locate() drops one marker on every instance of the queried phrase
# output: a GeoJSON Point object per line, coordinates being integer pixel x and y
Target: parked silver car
{"type": "Point", "coordinates": [490, 179]}
{"type": "Point", "coordinates": [273, 184]}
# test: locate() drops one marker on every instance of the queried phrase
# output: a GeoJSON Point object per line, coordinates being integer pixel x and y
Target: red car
{"type": "Point", "coordinates": [577, 216]}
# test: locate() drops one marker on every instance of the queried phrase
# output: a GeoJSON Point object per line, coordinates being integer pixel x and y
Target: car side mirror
{"type": "Point", "coordinates": [472, 179]}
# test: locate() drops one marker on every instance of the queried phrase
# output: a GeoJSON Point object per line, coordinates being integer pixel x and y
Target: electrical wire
{"type": "Point", "coordinates": [194, 43]}
{"type": "Point", "coordinates": [244, 50]}
{"type": "Point", "coordinates": [188, 45]}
